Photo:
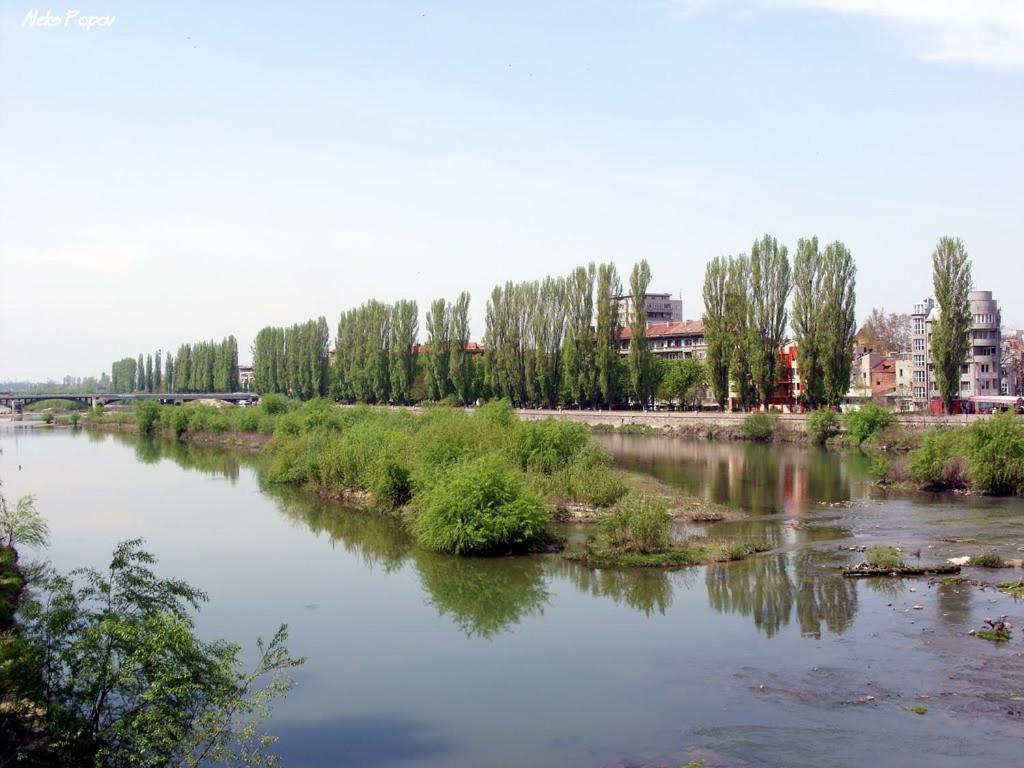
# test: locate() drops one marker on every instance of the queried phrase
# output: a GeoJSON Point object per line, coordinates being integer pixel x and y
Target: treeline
{"type": "Point", "coordinates": [293, 361]}
{"type": "Point", "coordinates": [540, 339]}
{"type": "Point", "coordinates": [746, 314]}
{"type": "Point", "coordinates": [206, 366]}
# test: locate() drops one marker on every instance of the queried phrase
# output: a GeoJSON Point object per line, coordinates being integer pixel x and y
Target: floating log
{"type": "Point", "coordinates": [864, 570]}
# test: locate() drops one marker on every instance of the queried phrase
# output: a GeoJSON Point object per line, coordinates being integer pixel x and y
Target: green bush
{"type": "Point", "coordinates": [884, 557]}
{"type": "Point", "coordinates": [637, 524]}
{"type": "Point", "coordinates": [248, 420]}
{"type": "Point", "coordinates": [390, 483]}
{"type": "Point", "coordinates": [866, 422]}
{"type": "Point", "coordinates": [549, 445]}
{"type": "Point", "coordinates": [759, 426]}
{"type": "Point", "coordinates": [879, 468]}
{"type": "Point", "coordinates": [147, 416]}
{"type": "Point", "coordinates": [822, 424]}
{"type": "Point", "coordinates": [937, 462]}
{"type": "Point", "coordinates": [178, 420]}
{"type": "Point", "coordinates": [273, 404]}
{"type": "Point", "coordinates": [480, 506]}
{"type": "Point", "coordinates": [995, 455]}
{"type": "Point", "coordinates": [74, 418]}
{"type": "Point", "coordinates": [989, 560]}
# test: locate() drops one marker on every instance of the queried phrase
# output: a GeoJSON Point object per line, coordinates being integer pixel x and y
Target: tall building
{"type": "Point", "coordinates": [660, 308]}
{"type": "Point", "coordinates": [981, 369]}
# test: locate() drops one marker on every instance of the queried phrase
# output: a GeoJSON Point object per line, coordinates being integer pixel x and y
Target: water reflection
{"type": "Point", "coordinates": [767, 588]}
{"type": "Point", "coordinates": [648, 591]}
{"type": "Point", "coordinates": [209, 461]}
{"type": "Point", "coordinates": [754, 477]}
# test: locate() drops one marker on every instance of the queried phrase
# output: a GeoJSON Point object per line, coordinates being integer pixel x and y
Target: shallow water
{"type": "Point", "coordinates": [417, 659]}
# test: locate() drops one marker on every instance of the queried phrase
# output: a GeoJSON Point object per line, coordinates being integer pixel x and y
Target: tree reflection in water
{"type": "Point", "coordinates": [748, 476]}
{"type": "Point", "coordinates": [647, 590]}
{"type": "Point", "coordinates": [378, 540]}
{"type": "Point", "coordinates": [483, 596]}
{"type": "Point", "coordinates": [763, 588]}
{"type": "Point", "coordinates": [209, 461]}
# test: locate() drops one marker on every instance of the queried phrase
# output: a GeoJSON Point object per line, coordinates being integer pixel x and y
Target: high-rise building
{"type": "Point", "coordinates": [660, 308]}
{"type": "Point", "coordinates": [980, 372]}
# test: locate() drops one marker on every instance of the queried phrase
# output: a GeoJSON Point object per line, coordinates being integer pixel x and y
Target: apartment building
{"type": "Point", "coordinates": [660, 308]}
{"type": "Point", "coordinates": [671, 341]}
{"type": "Point", "coordinates": [1012, 364]}
{"type": "Point", "coordinates": [981, 370]}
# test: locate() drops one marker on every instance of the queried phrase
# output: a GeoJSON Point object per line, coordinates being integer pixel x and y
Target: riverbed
{"type": "Point", "coordinates": [416, 659]}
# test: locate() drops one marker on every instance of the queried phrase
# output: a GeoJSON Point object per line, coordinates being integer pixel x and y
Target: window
{"type": "Point", "coordinates": [919, 326]}
{"type": "Point", "coordinates": [919, 361]}
{"type": "Point", "coordinates": [919, 393]}
{"type": "Point", "coordinates": [985, 367]}
{"type": "Point", "coordinates": [919, 376]}
{"type": "Point", "coordinates": [919, 345]}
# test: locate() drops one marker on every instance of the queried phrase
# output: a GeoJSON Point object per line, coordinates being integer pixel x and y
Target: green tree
{"type": "Point", "coordinates": [684, 380]}
{"type": "Point", "coordinates": [169, 373]}
{"type": "Point", "coordinates": [770, 285]}
{"type": "Point", "coordinates": [548, 327]}
{"type": "Point", "coordinates": [580, 370]}
{"type": "Point", "coordinates": [639, 349]}
{"type": "Point", "coordinates": [401, 362]}
{"type": "Point", "coordinates": [460, 370]}
{"type": "Point", "coordinates": [149, 373]}
{"type": "Point", "coordinates": [838, 323]}
{"type": "Point", "coordinates": [608, 331]}
{"type": "Point", "coordinates": [717, 331]}
{"type": "Point", "coordinates": [140, 374]}
{"type": "Point", "coordinates": [807, 318]}
{"type": "Point", "coordinates": [21, 524]}
{"type": "Point", "coordinates": [436, 353]}
{"type": "Point", "coordinates": [951, 279]}
{"type": "Point", "coordinates": [739, 314]}
{"type": "Point", "coordinates": [126, 681]}
{"type": "Point", "coordinates": [157, 374]}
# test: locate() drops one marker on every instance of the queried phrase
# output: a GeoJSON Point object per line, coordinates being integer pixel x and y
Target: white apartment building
{"type": "Point", "coordinates": [660, 308]}
{"type": "Point", "coordinates": [980, 372]}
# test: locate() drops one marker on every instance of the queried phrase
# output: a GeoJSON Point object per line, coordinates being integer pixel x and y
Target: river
{"type": "Point", "coordinates": [416, 659]}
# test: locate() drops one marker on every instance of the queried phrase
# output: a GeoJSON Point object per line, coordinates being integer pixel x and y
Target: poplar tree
{"type": "Point", "coordinates": [770, 285]}
{"type": "Point", "coordinates": [838, 321]}
{"type": "Point", "coordinates": [149, 373]}
{"type": "Point", "coordinates": [548, 332]}
{"type": "Point", "coordinates": [608, 331]}
{"type": "Point", "coordinates": [436, 353]}
{"type": "Point", "coordinates": [460, 370]}
{"type": "Point", "coordinates": [401, 361]}
{"type": "Point", "coordinates": [639, 352]}
{"type": "Point", "coordinates": [580, 373]}
{"type": "Point", "coordinates": [951, 280]}
{"type": "Point", "coordinates": [717, 332]}
{"type": "Point", "coordinates": [738, 312]}
{"type": "Point", "coordinates": [157, 373]}
{"type": "Point", "coordinates": [169, 373]}
{"type": "Point", "coordinates": [809, 318]}
{"type": "Point", "coordinates": [140, 374]}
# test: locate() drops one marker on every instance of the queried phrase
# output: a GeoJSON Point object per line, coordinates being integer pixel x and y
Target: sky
{"type": "Point", "coordinates": [189, 170]}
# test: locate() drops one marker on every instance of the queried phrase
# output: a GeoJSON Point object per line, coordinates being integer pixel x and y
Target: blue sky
{"type": "Point", "coordinates": [199, 169]}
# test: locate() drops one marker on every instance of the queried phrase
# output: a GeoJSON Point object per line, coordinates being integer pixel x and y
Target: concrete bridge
{"type": "Point", "coordinates": [16, 401]}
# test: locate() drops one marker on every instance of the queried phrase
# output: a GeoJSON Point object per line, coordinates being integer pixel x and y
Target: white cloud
{"type": "Point", "coordinates": [984, 33]}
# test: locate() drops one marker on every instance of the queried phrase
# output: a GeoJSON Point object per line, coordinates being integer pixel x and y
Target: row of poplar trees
{"type": "Point", "coordinates": [557, 340]}
{"type": "Point", "coordinates": [206, 366]}
{"type": "Point", "coordinates": [746, 313]}
{"type": "Point", "coordinates": [293, 361]}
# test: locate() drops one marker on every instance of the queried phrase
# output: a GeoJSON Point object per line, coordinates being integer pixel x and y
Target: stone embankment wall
{"type": "Point", "coordinates": [685, 421]}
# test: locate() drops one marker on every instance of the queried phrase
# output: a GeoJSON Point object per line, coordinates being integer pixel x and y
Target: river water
{"type": "Point", "coordinates": [416, 659]}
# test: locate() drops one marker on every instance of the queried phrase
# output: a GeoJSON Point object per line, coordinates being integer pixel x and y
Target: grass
{"type": "Point", "coordinates": [917, 710]}
{"type": "Point", "coordinates": [637, 533]}
{"type": "Point", "coordinates": [995, 635]}
{"type": "Point", "coordinates": [989, 560]}
{"type": "Point", "coordinates": [886, 557]}
{"type": "Point", "coordinates": [1013, 588]}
